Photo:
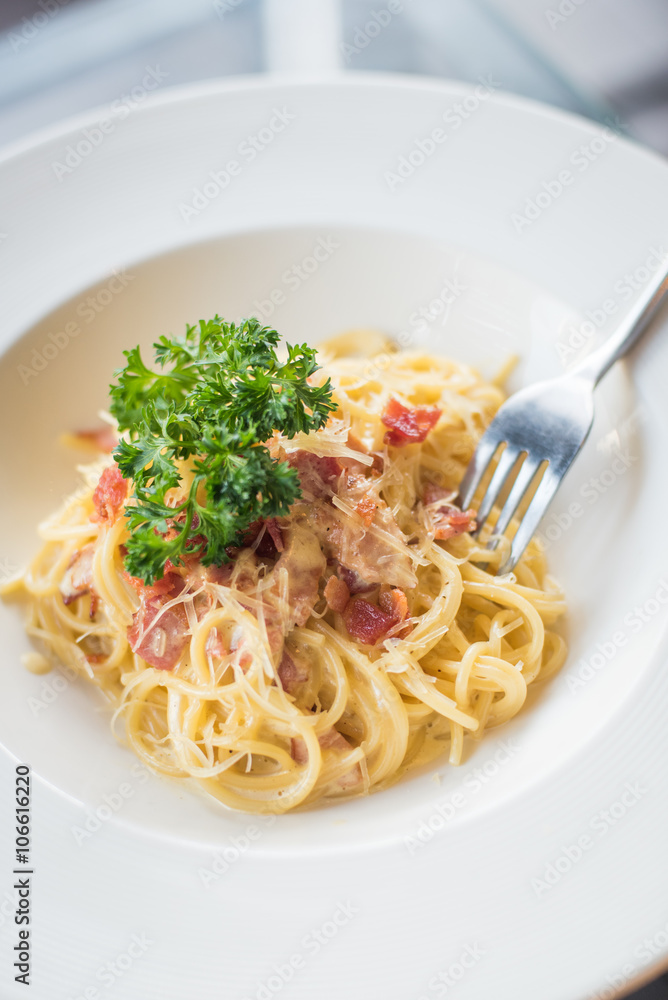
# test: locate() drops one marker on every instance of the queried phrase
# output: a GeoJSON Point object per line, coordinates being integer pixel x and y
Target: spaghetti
{"type": "Point", "coordinates": [359, 635]}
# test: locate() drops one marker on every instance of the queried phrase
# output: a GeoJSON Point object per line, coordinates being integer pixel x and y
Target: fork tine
{"type": "Point", "coordinates": [535, 511]}
{"type": "Point", "coordinates": [484, 453]}
{"type": "Point", "coordinates": [525, 477]}
{"type": "Point", "coordinates": [506, 463]}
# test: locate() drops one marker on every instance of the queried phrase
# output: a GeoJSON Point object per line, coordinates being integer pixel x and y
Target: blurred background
{"type": "Point", "coordinates": [606, 59]}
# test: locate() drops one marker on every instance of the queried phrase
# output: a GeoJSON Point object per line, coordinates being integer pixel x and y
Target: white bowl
{"type": "Point", "coordinates": [115, 237]}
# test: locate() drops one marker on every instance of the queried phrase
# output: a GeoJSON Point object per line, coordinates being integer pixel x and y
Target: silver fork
{"type": "Point", "coordinates": [543, 427]}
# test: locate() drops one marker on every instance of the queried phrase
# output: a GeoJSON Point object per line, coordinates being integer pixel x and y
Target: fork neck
{"type": "Point", "coordinates": [634, 324]}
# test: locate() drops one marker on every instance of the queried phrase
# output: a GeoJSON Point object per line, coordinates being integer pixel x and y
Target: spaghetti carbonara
{"type": "Point", "coordinates": [362, 633]}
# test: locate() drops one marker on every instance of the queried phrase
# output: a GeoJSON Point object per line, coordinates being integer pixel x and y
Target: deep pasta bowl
{"type": "Point", "coordinates": [557, 812]}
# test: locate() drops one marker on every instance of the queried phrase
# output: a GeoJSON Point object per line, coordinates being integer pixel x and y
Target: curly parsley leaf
{"type": "Point", "coordinates": [202, 417]}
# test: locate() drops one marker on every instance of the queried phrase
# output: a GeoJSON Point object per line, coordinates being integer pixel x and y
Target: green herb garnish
{"type": "Point", "coordinates": [218, 394]}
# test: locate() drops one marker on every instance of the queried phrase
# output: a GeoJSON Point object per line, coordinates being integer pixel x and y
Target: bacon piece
{"type": "Point", "coordinates": [366, 622]}
{"type": "Point", "coordinates": [292, 672]}
{"type": "Point", "coordinates": [366, 508]}
{"type": "Point", "coordinates": [408, 424]}
{"type": "Point", "coordinates": [395, 603]}
{"type": "Point", "coordinates": [240, 573]}
{"type": "Point", "coordinates": [446, 520]}
{"type": "Point", "coordinates": [171, 583]}
{"type": "Point", "coordinates": [453, 521]}
{"type": "Point", "coordinates": [433, 493]}
{"type": "Point", "coordinates": [221, 575]}
{"type": "Point", "coordinates": [109, 494]}
{"type": "Point", "coordinates": [78, 577]}
{"type": "Point", "coordinates": [274, 531]}
{"type": "Point", "coordinates": [298, 750]}
{"type": "Point", "coordinates": [317, 474]}
{"type": "Point", "coordinates": [337, 594]}
{"type": "Point", "coordinates": [158, 635]}
{"type": "Point", "coordinates": [354, 582]}
{"type": "Point", "coordinates": [102, 438]}
{"type": "Point", "coordinates": [270, 538]}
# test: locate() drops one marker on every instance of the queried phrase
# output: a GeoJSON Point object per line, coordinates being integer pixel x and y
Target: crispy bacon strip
{"type": "Point", "coordinates": [265, 537]}
{"type": "Point", "coordinates": [159, 636]}
{"type": "Point", "coordinates": [109, 494]}
{"type": "Point", "coordinates": [366, 508]}
{"type": "Point", "coordinates": [447, 521]}
{"type": "Point", "coordinates": [453, 521]}
{"type": "Point", "coordinates": [408, 425]}
{"type": "Point", "coordinates": [274, 531]}
{"type": "Point", "coordinates": [78, 578]}
{"type": "Point", "coordinates": [317, 474]}
{"type": "Point", "coordinates": [367, 622]}
{"type": "Point", "coordinates": [395, 603]}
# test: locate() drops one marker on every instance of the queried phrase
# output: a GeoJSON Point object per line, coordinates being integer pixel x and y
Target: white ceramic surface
{"type": "Point", "coordinates": [314, 220]}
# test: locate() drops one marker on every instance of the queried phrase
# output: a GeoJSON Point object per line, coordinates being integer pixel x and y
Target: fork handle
{"type": "Point", "coordinates": [628, 332]}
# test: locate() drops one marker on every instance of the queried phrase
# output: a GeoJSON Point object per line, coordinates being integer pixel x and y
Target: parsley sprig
{"type": "Point", "coordinates": [217, 395]}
